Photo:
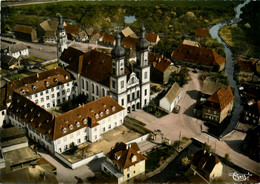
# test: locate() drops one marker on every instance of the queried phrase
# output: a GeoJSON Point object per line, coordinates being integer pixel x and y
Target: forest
{"type": "Point", "coordinates": [177, 20]}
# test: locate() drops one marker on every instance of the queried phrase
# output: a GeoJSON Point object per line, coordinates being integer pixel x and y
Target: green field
{"type": "Point", "coordinates": [51, 66]}
{"type": "Point", "coordinates": [17, 76]}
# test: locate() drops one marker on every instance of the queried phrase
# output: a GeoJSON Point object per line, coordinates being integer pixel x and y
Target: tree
{"type": "Point", "coordinates": [227, 157]}
{"type": "Point", "coordinates": [206, 147]}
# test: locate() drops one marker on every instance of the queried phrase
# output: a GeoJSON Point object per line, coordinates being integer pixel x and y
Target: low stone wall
{"type": "Point", "coordinates": [81, 162]}
{"type": "Point", "coordinates": [14, 147]}
{"type": "Point", "coordinates": [137, 127]}
{"type": "Point", "coordinates": [140, 139]}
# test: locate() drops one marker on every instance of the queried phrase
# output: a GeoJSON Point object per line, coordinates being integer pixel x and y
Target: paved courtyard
{"type": "Point", "coordinates": [185, 123]}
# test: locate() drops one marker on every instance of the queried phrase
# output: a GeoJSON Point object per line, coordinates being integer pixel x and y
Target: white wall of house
{"type": "Point", "coordinates": [165, 104]}
{"type": "Point", "coordinates": [216, 172]}
{"type": "Point", "coordinates": [91, 89]}
{"type": "Point", "coordinates": [3, 117]}
{"type": "Point", "coordinates": [52, 97]}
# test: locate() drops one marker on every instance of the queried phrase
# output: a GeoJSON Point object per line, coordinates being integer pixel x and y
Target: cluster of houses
{"type": "Point", "coordinates": [12, 53]}
{"type": "Point", "coordinates": [247, 70]}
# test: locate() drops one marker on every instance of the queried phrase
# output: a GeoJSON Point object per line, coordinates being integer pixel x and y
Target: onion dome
{"type": "Point", "coordinates": [118, 50]}
{"type": "Point", "coordinates": [142, 43]}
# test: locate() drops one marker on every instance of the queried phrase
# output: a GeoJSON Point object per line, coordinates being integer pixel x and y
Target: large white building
{"type": "Point", "coordinates": [59, 133]}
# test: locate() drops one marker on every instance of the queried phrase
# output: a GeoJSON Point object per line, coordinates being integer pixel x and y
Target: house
{"type": "Point", "coordinates": [14, 50]}
{"type": "Point", "coordinates": [109, 39]}
{"type": "Point", "coordinates": [246, 69]}
{"type": "Point", "coordinates": [202, 33]}
{"type": "Point", "coordinates": [128, 32]}
{"type": "Point", "coordinates": [48, 31]}
{"type": "Point", "coordinates": [172, 97]}
{"type": "Point", "coordinates": [72, 31]}
{"type": "Point", "coordinates": [96, 37]}
{"type": "Point", "coordinates": [251, 143]}
{"type": "Point", "coordinates": [191, 43]}
{"type": "Point", "coordinates": [209, 88]}
{"type": "Point", "coordinates": [124, 162]}
{"type": "Point", "coordinates": [218, 106]}
{"type": "Point", "coordinates": [89, 32]}
{"type": "Point", "coordinates": [161, 68]}
{"type": "Point", "coordinates": [152, 38]}
{"type": "Point", "coordinates": [129, 42]}
{"type": "Point", "coordinates": [82, 36]}
{"type": "Point", "coordinates": [26, 33]}
{"type": "Point", "coordinates": [9, 62]}
{"type": "Point", "coordinates": [206, 165]}
{"type": "Point", "coordinates": [251, 112]}
{"type": "Point", "coordinates": [198, 57]}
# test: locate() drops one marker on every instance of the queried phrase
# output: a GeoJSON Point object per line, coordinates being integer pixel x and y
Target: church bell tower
{"type": "Point", "coordinates": [62, 39]}
{"type": "Point", "coordinates": [118, 77]}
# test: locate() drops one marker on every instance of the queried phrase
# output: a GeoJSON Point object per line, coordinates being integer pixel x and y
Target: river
{"type": "Point", "coordinates": [229, 69]}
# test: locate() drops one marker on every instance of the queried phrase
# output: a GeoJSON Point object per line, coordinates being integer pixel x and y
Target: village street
{"type": "Point", "coordinates": [185, 123]}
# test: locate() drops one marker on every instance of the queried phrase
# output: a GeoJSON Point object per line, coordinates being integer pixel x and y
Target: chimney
{"type": "Point", "coordinates": [80, 64]}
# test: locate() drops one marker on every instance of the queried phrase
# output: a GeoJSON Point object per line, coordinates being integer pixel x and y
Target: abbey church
{"type": "Point", "coordinates": [99, 74]}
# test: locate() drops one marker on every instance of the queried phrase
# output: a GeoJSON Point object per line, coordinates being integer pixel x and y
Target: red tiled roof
{"type": "Point", "coordinates": [198, 55]}
{"type": "Point", "coordinates": [245, 65]}
{"type": "Point", "coordinates": [70, 54]}
{"type": "Point", "coordinates": [220, 99]}
{"type": "Point", "coordinates": [151, 37]}
{"type": "Point", "coordinates": [129, 42]}
{"type": "Point", "coordinates": [72, 29]}
{"type": "Point", "coordinates": [53, 127]}
{"type": "Point", "coordinates": [24, 29]}
{"type": "Point", "coordinates": [27, 82]}
{"type": "Point", "coordinates": [96, 66]}
{"type": "Point", "coordinates": [125, 155]}
{"type": "Point", "coordinates": [108, 38]}
{"type": "Point", "coordinates": [158, 62]}
{"type": "Point", "coordinates": [202, 32]}
{"type": "Point", "coordinates": [204, 161]}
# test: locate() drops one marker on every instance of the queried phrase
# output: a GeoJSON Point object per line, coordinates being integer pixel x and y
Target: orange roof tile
{"type": "Point", "coordinates": [124, 155]}
{"type": "Point", "coordinates": [96, 66]}
{"type": "Point", "coordinates": [129, 42]}
{"type": "Point", "coordinates": [108, 38]}
{"type": "Point", "coordinates": [198, 55]}
{"type": "Point", "coordinates": [158, 62]}
{"type": "Point", "coordinates": [220, 99]}
{"type": "Point", "coordinates": [151, 37]}
{"type": "Point", "coordinates": [24, 29]}
{"type": "Point", "coordinates": [202, 32]}
{"type": "Point", "coordinates": [204, 161]}
{"type": "Point", "coordinates": [72, 29]}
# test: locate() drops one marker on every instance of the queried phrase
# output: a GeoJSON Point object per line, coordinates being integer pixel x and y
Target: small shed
{"type": "Point", "coordinates": [172, 97]}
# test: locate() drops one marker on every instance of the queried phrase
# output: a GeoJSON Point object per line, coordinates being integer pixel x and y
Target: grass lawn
{"type": "Point", "coordinates": [155, 157]}
{"type": "Point", "coordinates": [32, 60]}
{"type": "Point", "coordinates": [17, 76]}
{"type": "Point", "coordinates": [225, 33]}
{"type": "Point", "coordinates": [3, 71]}
{"type": "Point", "coordinates": [253, 52]}
{"type": "Point", "coordinates": [51, 66]}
